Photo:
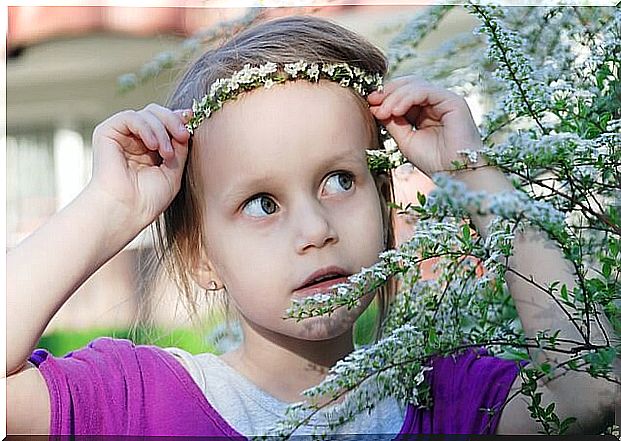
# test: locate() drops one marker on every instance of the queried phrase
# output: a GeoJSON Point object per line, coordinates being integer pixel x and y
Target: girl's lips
{"type": "Point", "coordinates": [319, 287]}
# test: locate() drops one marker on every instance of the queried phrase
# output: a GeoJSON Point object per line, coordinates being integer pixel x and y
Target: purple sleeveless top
{"type": "Point", "coordinates": [113, 387]}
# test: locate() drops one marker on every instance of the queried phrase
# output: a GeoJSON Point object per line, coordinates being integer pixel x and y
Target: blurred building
{"type": "Point", "coordinates": [62, 81]}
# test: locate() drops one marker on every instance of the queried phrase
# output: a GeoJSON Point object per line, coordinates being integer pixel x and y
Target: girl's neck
{"type": "Point", "coordinates": [283, 366]}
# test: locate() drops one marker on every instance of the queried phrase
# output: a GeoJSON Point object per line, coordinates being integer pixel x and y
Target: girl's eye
{"type": "Point", "coordinates": [343, 180]}
{"type": "Point", "coordinates": [258, 205]}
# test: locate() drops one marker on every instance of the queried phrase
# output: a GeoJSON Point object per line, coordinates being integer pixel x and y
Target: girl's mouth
{"type": "Point", "coordinates": [321, 285]}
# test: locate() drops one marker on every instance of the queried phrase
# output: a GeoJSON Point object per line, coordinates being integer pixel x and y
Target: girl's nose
{"type": "Point", "coordinates": [314, 228]}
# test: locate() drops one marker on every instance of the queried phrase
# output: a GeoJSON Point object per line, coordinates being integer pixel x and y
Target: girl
{"type": "Point", "coordinates": [270, 200]}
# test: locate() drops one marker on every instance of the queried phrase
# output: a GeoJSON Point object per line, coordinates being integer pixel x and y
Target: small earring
{"type": "Point", "coordinates": [213, 286]}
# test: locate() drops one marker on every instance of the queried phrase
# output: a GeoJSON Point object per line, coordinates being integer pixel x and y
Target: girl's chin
{"type": "Point", "coordinates": [327, 327]}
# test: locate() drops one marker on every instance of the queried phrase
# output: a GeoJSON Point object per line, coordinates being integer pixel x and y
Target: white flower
{"type": "Point", "coordinates": [268, 83]}
{"type": "Point", "coordinates": [390, 144]}
{"type": "Point", "coordinates": [329, 69]}
{"type": "Point", "coordinates": [293, 68]}
{"type": "Point", "coordinates": [346, 67]}
{"type": "Point", "coordinates": [244, 75]}
{"type": "Point", "coordinates": [230, 84]}
{"type": "Point", "coordinates": [215, 86]}
{"type": "Point", "coordinates": [313, 71]}
{"type": "Point", "coordinates": [253, 71]}
{"type": "Point", "coordinates": [267, 68]}
{"type": "Point", "coordinates": [396, 158]}
{"type": "Point", "coordinates": [473, 156]}
{"type": "Point", "coordinates": [613, 124]}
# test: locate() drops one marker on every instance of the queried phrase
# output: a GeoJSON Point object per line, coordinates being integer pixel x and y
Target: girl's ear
{"type": "Point", "coordinates": [205, 274]}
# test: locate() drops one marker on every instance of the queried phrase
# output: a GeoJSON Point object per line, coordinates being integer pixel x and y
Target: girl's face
{"type": "Point", "coordinates": [287, 192]}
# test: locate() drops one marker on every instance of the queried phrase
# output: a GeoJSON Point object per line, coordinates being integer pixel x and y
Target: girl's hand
{"type": "Point", "coordinates": [442, 119]}
{"type": "Point", "coordinates": [138, 161]}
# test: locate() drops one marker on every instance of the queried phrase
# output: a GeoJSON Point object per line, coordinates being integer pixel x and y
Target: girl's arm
{"type": "Point", "coordinates": [576, 394]}
{"type": "Point", "coordinates": [136, 174]}
{"type": "Point", "coordinates": [42, 274]}
{"type": "Point", "coordinates": [46, 268]}
{"type": "Point", "coordinates": [444, 125]}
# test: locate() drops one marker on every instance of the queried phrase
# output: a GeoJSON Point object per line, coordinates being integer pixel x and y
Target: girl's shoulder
{"type": "Point", "coordinates": [109, 364]}
{"type": "Point", "coordinates": [93, 388]}
{"type": "Point", "coordinates": [102, 350]}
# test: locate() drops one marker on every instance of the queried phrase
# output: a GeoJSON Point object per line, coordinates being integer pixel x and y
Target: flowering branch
{"type": "Point", "coordinates": [563, 167]}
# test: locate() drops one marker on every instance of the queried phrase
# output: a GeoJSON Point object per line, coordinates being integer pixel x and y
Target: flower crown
{"type": "Point", "coordinates": [268, 74]}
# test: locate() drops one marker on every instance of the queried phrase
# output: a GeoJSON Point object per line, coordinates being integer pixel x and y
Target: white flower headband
{"type": "Point", "coordinates": [266, 75]}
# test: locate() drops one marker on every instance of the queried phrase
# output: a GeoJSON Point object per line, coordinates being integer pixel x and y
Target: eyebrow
{"type": "Point", "coordinates": [241, 188]}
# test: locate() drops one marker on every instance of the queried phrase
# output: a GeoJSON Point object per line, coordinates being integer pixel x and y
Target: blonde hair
{"type": "Point", "coordinates": [177, 232]}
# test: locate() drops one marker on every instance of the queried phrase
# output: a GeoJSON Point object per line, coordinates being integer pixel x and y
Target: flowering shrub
{"type": "Point", "coordinates": [553, 75]}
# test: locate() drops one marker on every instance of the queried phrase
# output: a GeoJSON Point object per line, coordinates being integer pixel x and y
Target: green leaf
{"type": "Point", "coordinates": [465, 229]}
{"type": "Point", "coordinates": [422, 199]}
{"type": "Point", "coordinates": [564, 294]}
{"type": "Point", "coordinates": [550, 408]}
{"type": "Point", "coordinates": [606, 270]}
{"type": "Point", "coordinates": [515, 354]}
{"type": "Point", "coordinates": [433, 338]}
{"type": "Point", "coordinates": [565, 424]}
{"type": "Point", "coordinates": [457, 165]}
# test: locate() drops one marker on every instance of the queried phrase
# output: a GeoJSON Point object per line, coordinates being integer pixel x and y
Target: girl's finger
{"type": "Point", "coordinates": [376, 98]}
{"type": "Point", "coordinates": [173, 167]}
{"type": "Point", "coordinates": [414, 144]}
{"type": "Point", "coordinates": [396, 83]}
{"type": "Point", "coordinates": [129, 123]}
{"type": "Point", "coordinates": [438, 101]}
{"type": "Point", "coordinates": [165, 146]}
{"type": "Point", "coordinates": [173, 121]}
{"type": "Point", "coordinates": [384, 110]}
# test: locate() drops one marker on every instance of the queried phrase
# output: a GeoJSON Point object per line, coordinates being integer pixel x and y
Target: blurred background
{"type": "Point", "coordinates": [67, 70]}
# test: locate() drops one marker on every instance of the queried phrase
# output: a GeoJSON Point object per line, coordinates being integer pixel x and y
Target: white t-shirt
{"type": "Point", "coordinates": [251, 411]}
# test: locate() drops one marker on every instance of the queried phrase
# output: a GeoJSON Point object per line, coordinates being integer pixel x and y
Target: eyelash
{"type": "Point", "coordinates": [262, 195]}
